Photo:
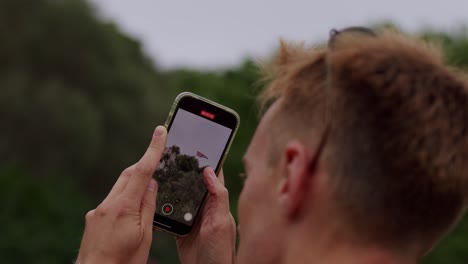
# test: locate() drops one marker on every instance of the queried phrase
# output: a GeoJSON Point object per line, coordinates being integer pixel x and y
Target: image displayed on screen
{"type": "Point", "coordinates": [193, 143]}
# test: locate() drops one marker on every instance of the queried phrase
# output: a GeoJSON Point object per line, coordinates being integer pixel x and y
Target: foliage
{"type": "Point", "coordinates": [453, 249]}
{"type": "Point", "coordinates": [77, 94]}
{"type": "Point", "coordinates": [78, 102]}
{"type": "Point", "coordinates": [41, 222]}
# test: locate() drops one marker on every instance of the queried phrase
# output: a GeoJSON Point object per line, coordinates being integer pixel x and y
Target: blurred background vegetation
{"type": "Point", "coordinates": [78, 102]}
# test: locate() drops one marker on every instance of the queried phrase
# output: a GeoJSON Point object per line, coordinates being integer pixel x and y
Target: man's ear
{"type": "Point", "coordinates": [296, 179]}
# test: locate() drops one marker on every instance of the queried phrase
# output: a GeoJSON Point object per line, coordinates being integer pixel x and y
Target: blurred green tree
{"type": "Point", "coordinates": [41, 221]}
{"type": "Point", "coordinates": [79, 97]}
{"type": "Point", "coordinates": [78, 102]}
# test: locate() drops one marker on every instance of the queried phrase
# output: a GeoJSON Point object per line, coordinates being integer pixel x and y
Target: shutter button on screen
{"type": "Point", "coordinates": [167, 209]}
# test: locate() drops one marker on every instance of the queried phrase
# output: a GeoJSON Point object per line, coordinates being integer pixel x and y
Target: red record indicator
{"type": "Point", "coordinates": [207, 114]}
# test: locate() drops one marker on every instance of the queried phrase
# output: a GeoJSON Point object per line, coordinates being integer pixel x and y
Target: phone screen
{"type": "Point", "coordinates": [196, 139]}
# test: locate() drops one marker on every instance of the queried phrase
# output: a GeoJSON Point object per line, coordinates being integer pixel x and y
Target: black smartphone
{"type": "Point", "coordinates": [200, 133]}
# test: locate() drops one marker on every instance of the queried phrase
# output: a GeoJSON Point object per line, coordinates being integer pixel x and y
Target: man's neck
{"type": "Point", "coordinates": [323, 248]}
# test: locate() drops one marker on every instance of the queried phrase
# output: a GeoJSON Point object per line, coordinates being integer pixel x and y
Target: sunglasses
{"type": "Point", "coordinates": [332, 42]}
{"type": "Point", "coordinates": [334, 34]}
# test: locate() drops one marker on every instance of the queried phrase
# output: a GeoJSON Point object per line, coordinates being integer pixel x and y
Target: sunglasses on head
{"type": "Point", "coordinates": [334, 34]}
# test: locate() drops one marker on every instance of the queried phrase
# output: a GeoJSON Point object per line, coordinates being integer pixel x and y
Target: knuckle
{"type": "Point", "coordinates": [143, 169]}
{"type": "Point", "coordinates": [233, 221]}
{"type": "Point", "coordinates": [223, 225]}
{"type": "Point", "coordinates": [147, 204]}
{"type": "Point", "coordinates": [121, 212]}
{"type": "Point", "coordinates": [233, 225]}
{"type": "Point", "coordinates": [127, 171]}
{"type": "Point", "coordinates": [224, 193]}
{"type": "Point", "coordinates": [124, 209]}
{"type": "Point", "coordinates": [101, 211]}
{"type": "Point", "coordinates": [157, 145]}
{"type": "Point", "coordinates": [89, 216]}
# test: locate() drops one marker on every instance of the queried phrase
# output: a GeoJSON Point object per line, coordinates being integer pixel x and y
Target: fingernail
{"type": "Point", "coordinates": [159, 131]}
{"type": "Point", "coordinates": [152, 186]}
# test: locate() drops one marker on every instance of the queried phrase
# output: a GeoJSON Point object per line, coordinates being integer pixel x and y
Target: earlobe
{"type": "Point", "coordinates": [294, 184]}
{"type": "Point", "coordinates": [283, 193]}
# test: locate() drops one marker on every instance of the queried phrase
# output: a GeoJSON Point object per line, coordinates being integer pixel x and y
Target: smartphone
{"type": "Point", "coordinates": [200, 133]}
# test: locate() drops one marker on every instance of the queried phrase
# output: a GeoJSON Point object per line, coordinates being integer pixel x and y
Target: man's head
{"type": "Point", "coordinates": [368, 136]}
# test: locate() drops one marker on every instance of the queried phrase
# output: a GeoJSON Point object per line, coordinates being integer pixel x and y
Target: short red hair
{"type": "Point", "coordinates": [397, 145]}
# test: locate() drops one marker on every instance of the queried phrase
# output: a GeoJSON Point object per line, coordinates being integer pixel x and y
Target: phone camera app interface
{"type": "Point", "coordinates": [193, 143]}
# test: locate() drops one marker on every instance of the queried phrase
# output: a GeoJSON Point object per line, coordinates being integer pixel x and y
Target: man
{"type": "Point", "coordinates": [361, 157]}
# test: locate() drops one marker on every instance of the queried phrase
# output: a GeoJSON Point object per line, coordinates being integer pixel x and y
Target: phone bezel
{"type": "Point", "coordinates": [222, 115]}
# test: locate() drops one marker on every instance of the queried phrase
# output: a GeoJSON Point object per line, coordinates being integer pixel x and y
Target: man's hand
{"type": "Point", "coordinates": [120, 229]}
{"type": "Point", "coordinates": [214, 237]}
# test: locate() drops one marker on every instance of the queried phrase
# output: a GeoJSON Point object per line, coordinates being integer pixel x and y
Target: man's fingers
{"type": "Point", "coordinates": [146, 166]}
{"type": "Point", "coordinates": [148, 205]}
{"type": "Point", "coordinates": [120, 184]}
{"type": "Point", "coordinates": [216, 189]}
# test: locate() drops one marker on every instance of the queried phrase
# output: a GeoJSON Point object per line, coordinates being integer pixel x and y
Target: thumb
{"type": "Point", "coordinates": [148, 205]}
{"type": "Point", "coordinates": [218, 193]}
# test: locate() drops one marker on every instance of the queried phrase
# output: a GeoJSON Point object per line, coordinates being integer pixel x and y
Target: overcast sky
{"type": "Point", "coordinates": [214, 33]}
